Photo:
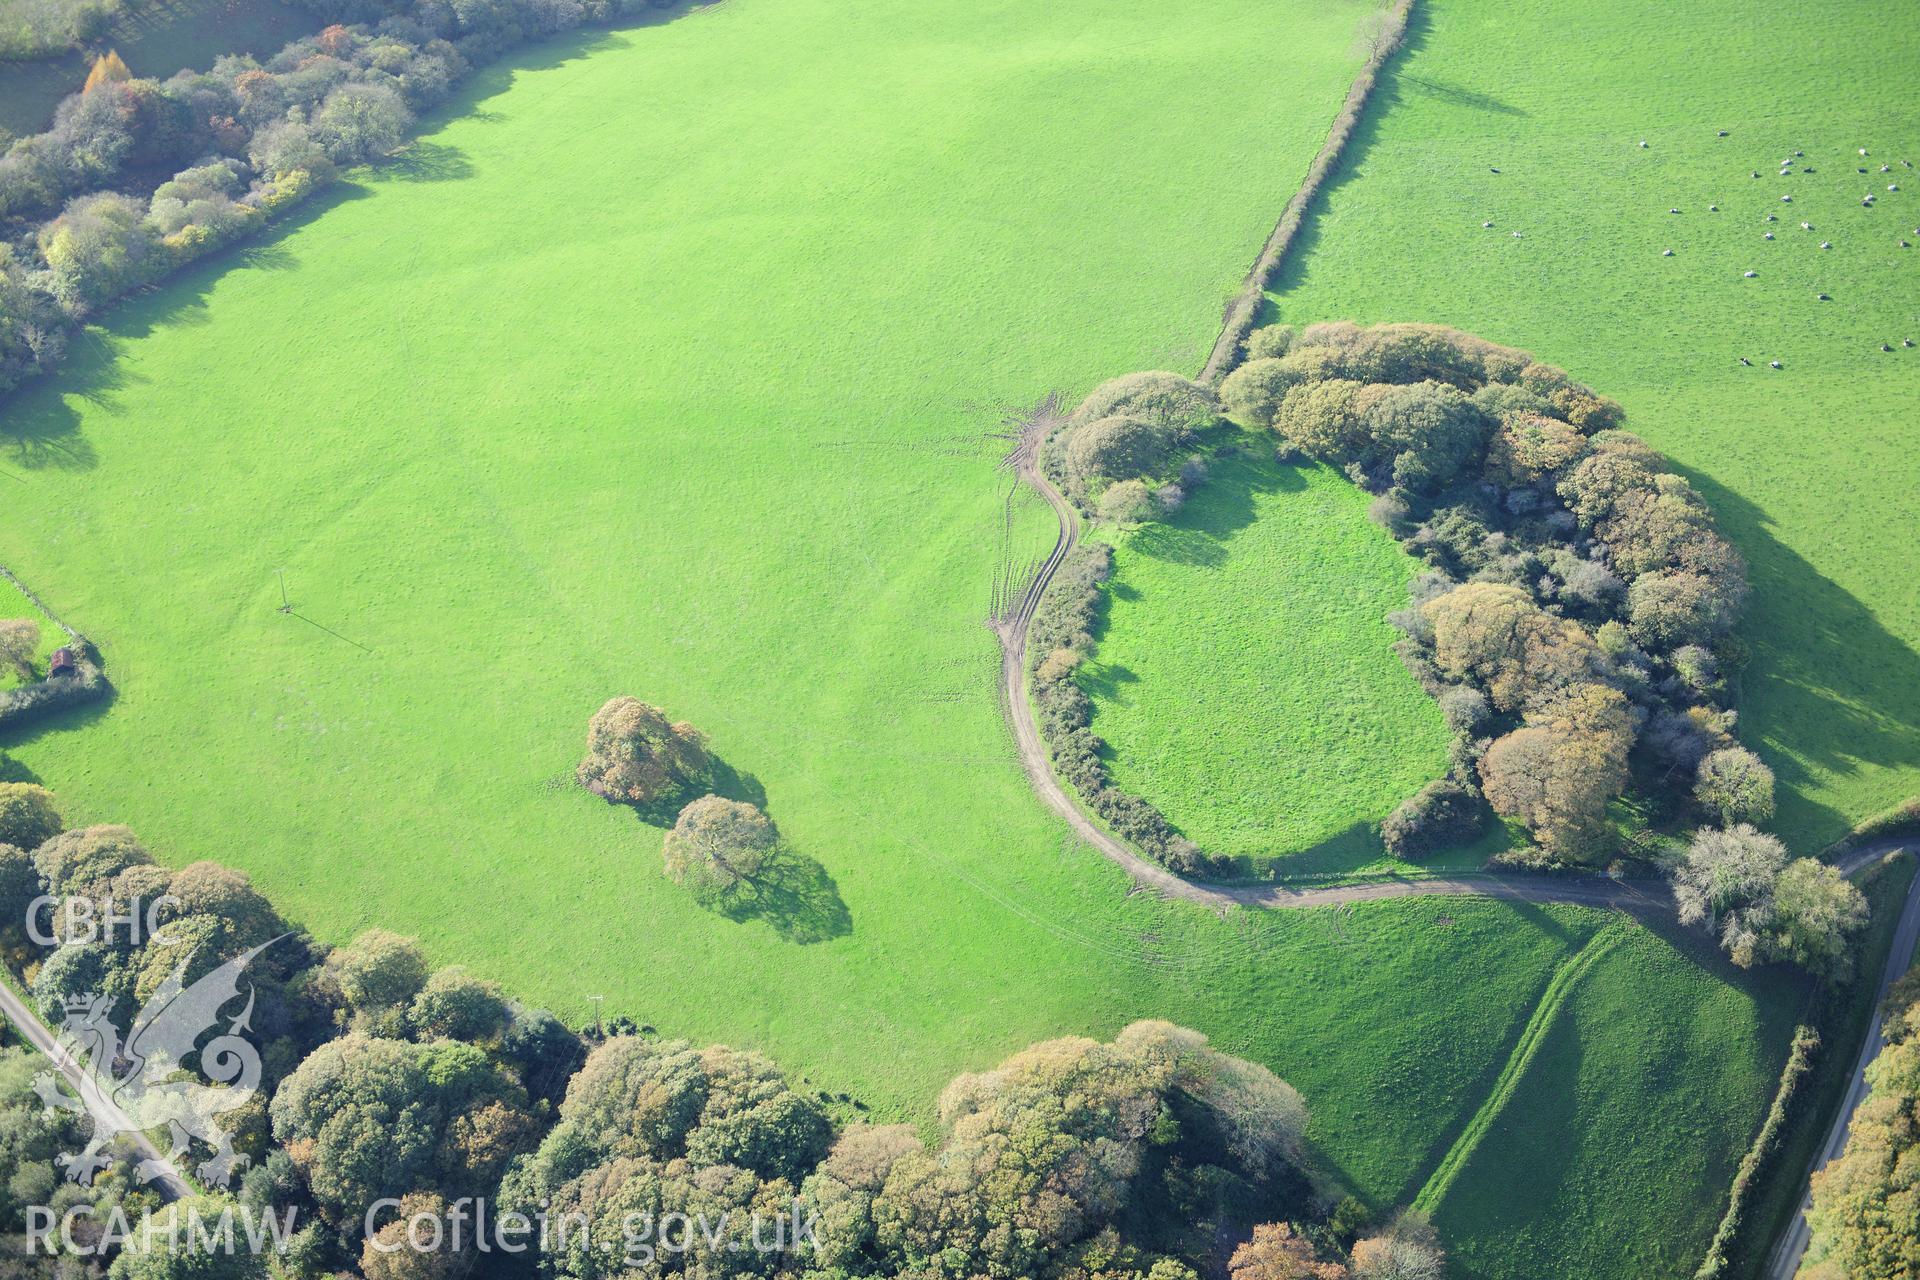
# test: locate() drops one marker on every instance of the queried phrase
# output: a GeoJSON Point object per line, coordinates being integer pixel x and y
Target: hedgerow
{"type": "Point", "coordinates": [1060, 638]}
{"type": "Point", "coordinates": [243, 141]}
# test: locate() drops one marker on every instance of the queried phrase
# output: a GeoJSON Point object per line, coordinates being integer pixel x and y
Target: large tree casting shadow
{"type": "Point", "coordinates": [794, 896]}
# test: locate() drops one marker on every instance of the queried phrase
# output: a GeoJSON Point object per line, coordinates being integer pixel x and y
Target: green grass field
{"type": "Point", "coordinates": [157, 38]}
{"type": "Point", "coordinates": [703, 408]}
{"type": "Point", "coordinates": [1585, 1160]}
{"type": "Point", "coordinates": [1246, 679]}
{"type": "Point", "coordinates": [1565, 1168]}
{"type": "Point", "coordinates": [1809, 467]}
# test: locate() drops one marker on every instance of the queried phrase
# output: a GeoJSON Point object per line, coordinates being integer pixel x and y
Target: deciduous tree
{"type": "Point", "coordinates": [1726, 882]}
{"type": "Point", "coordinates": [1816, 912]}
{"type": "Point", "coordinates": [1494, 636]}
{"type": "Point", "coordinates": [1558, 772]}
{"type": "Point", "coordinates": [19, 642]}
{"type": "Point", "coordinates": [28, 817]}
{"type": "Point", "coordinates": [1734, 785]}
{"type": "Point", "coordinates": [717, 845]}
{"type": "Point", "coordinates": [1276, 1253]}
{"type": "Point", "coordinates": [635, 755]}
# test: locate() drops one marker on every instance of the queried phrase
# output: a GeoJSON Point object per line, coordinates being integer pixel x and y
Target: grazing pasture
{"type": "Point", "coordinates": [672, 364]}
{"type": "Point", "coordinates": [1808, 466]}
{"type": "Point", "coordinates": [1246, 679]}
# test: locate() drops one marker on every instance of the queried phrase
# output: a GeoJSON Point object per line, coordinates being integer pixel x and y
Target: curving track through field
{"type": "Point", "coordinates": [1012, 627]}
{"type": "Point", "coordinates": [1625, 895]}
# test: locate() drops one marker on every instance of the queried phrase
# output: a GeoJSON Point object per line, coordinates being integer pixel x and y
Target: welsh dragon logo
{"type": "Point", "coordinates": [139, 1086]}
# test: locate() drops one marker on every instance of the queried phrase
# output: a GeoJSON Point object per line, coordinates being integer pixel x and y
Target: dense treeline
{"type": "Point", "coordinates": [1126, 454]}
{"type": "Point", "coordinates": [1866, 1205]}
{"type": "Point", "coordinates": [1578, 601]}
{"type": "Point", "coordinates": [137, 177]}
{"type": "Point", "coordinates": [1575, 619]}
{"type": "Point", "coordinates": [1149, 1157]}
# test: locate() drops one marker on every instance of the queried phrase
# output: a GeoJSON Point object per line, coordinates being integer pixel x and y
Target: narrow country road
{"type": "Point", "coordinates": [106, 1113]}
{"type": "Point", "coordinates": [1793, 1245]}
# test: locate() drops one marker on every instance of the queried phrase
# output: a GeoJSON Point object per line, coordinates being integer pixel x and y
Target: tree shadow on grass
{"type": "Point", "coordinates": [425, 161]}
{"type": "Point", "coordinates": [725, 781]}
{"type": "Point", "coordinates": [1828, 688]}
{"type": "Point", "coordinates": [1221, 506]}
{"type": "Point", "coordinates": [1102, 680]}
{"type": "Point", "coordinates": [1458, 96]}
{"type": "Point", "coordinates": [40, 427]}
{"type": "Point", "coordinates": [12, 770]}
{"type": "Point", "coordinates": [794, 896]}
{"type": "Point", "coordinates": [67, 719]}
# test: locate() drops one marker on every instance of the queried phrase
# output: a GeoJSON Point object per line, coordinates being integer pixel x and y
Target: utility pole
{"type": "Point", "coordinates": [286, 605]}
{"type": "Point", "coordinates": [599, 1022]}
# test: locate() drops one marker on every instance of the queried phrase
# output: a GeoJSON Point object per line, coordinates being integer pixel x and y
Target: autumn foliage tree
{"type": "Point", "coordinates": [717, 845]}
{"type": "Point", "coordinates": [28, 817]}
{"type": "Point", "coordinates": [1866, 1204]}
{"type": "Point", "coordinates": [1407, 1250]}
{"type": "Point", "coordinates": [365, 1118]}
{"type": "Point", "coordinates": [1276, 1253]}
{"type": "Point", "coordinates": [19, 641]}
{"type": "Point", "coordinates": [1494, 636]}
{"type": "Point", "coordinates": [635, 755]}
{"type": "Point", "coordinates": [1559, 771]}
{"type": "Point", "coordinates": [1738, 882]}
{"type": "Point", "coordinates": [108, 68]}
{"type": "Point", "coordinates": [1044, 1150]}
{"type": "Point", "coordinates": [1734, 785]}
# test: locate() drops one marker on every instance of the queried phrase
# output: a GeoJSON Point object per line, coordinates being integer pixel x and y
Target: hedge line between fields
{"type": "Point", "coordinates": [20, 705]}
{"type": "Point", "coordinates": [1806, 1044]}
{"type": "Point", "coordinates": [1902, 819]}
{"type": "Point", "coordinates": [1245, 307]}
